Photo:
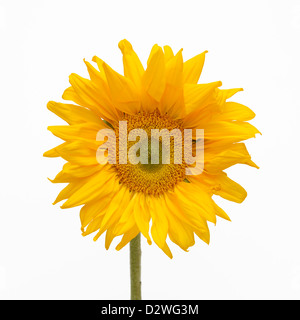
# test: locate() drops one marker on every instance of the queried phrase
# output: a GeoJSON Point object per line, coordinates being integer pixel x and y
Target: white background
{"type": "Point", "coordinates": [251, 44]}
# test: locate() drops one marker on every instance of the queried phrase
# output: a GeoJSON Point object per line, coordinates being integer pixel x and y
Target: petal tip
{"type": "Point", "coordinates": [124, 45]}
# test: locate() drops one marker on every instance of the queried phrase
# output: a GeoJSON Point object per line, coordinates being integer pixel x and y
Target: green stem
{"type": "Point", "coordinates": [135, 268]}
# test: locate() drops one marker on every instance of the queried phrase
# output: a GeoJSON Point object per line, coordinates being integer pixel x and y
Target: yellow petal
{"type": "Point", "coordinates": [96, 76]}
{"type": "Point", "coordinates": [69, 190]}
{"type": "Point", "coordinates": [109, 238]}
{"type": "Point", "coordinates": [100, 63]}
{"type": "Point", "coordinates": [175, 208]}
{"type": "Point", "coordinates": [71, 172]}
{"type": "Point", "coordinates": [198, 96]}
{"type": "Point", "coordinates": [71, 95]}
{"type": "Point", "coordinates": [154, 49]}
{"type": "Point", "coordinates": [153, 80]}
{"type": "Point", "coordinates": [116, 208]}
{"type": "Point", "coordinates": [221, 185]}
{"type": "Point", "coordinates": [100, 82]}
{"type": "Point", "coordinates": [172, 101]}
{"type": "Point", "coordinates": [159, 228]}
{"type": "Point", "coordinates": [123, 92]}
{"type": "Point", "coordinates": [203, 205]}
{"type": "Point", "coordinates": [93, 98]}
{"type": "Point", "coordinates": [174, 68]}
{"type": "Point", "coordinates": [204, 236]}
{"type": "Point", "coordinates": [196, 220]}
{"type": "Point", "coordinates": [230, 189]}
{"type": "Point", "coordinates": [73, 114]}
{"type": "Point", "coordinates": [52, 153]}
{"type": "Point", "coordinates": [167, 251]}
{"type": "Point", "coordinates": [79, 171]}
{"type": "Point", "coordinates": [194, 119]}
{"type": "Point", "coordinates": [79, 160]}
{"type": "Point", "coordinates": [222, 132]}
{"type": "Point", "coordinates": [142, 216]}
{"type": "Point", "coordinates": [127, 220]}
{"type": "Point", "coordinates": [168, 53]}
{"type": "Point", "coordinates": [236, 153]}
{"type": "Point", "coordinates": [235, 111]}
{"type": "Point", "coordinates": [92, 210]}
{"type": "Point", "coordinates": [192, 68]}
{"type": "Point", "coordinates": [179, 232]}
{"type": "Point", "coordinates": [224, 94]}
{"type": "Point", "coordinates": [83, 131]}
{"type": "Point", "coordinates": [101, 183]}
{"type": "Point", "coordinates": [133, 68]}
{"type": "Point", "coordinates": [127, 237]}
{"type": "Point", "coordinates": [76, 148]}
{"type": "Point", "coordinates": [93, 226]}
{"type": "Point", "coordinates": [221, 213]}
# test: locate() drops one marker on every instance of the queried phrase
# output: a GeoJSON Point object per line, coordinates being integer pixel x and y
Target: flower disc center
{"type": "Point", "coordinates": [157, 172]}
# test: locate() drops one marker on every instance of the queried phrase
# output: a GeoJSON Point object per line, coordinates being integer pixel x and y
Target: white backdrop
{"type": "Point", "coordinates": [251, 44]}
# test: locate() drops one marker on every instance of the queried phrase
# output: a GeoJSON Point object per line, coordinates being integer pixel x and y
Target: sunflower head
{"type": "Point", "coordinates": [150, 186]}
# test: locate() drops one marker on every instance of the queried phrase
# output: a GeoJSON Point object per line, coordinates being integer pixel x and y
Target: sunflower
{"type": "Point", "coordinates": [159, 200]}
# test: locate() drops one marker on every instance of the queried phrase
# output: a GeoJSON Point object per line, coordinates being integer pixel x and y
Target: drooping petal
{"type": "Point", "coordinates": [221, 213]}
{"type": "Point", "coordinates": [128, 236]}
{"type": "Point", "coordinates": [127, 220]}
{"type": "Point", "coordinates": [159, 228]}
{"type": "Point", "coordinates": [142, 216]}
{"type": "Point", "coordinates": [203, 206]}
{"type": "Point", "coordinates": [173, 204]}
{"type": "Point", "coordinates": [179, 232]}
{"type": "Point", "coordinates": [204, 236]}
{"type": "Point", "coordinates": [116, 208]}
{"type": "Point", "coordinates": [72, 187]}
{"type": "Point", "coordinates": [167, 251]}
{"type": "Point", "coordinates": [192, 216]}
{"type": "Point", "coordinates": [221, 185]}
{"type": "Point", "coordinates": [227, 157]}
{"type": "Point", "coordinates": [92, 210]}
{"type": "Point", "coordinates": [93, 188]}
{"type": "Point", "coordinates": [94, 225]}
{"type": "Point", "coordinates": [230, 189]}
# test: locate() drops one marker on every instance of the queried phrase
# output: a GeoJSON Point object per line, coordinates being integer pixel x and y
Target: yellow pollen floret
{"type": "Point", "coordinates": [151, 179]}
